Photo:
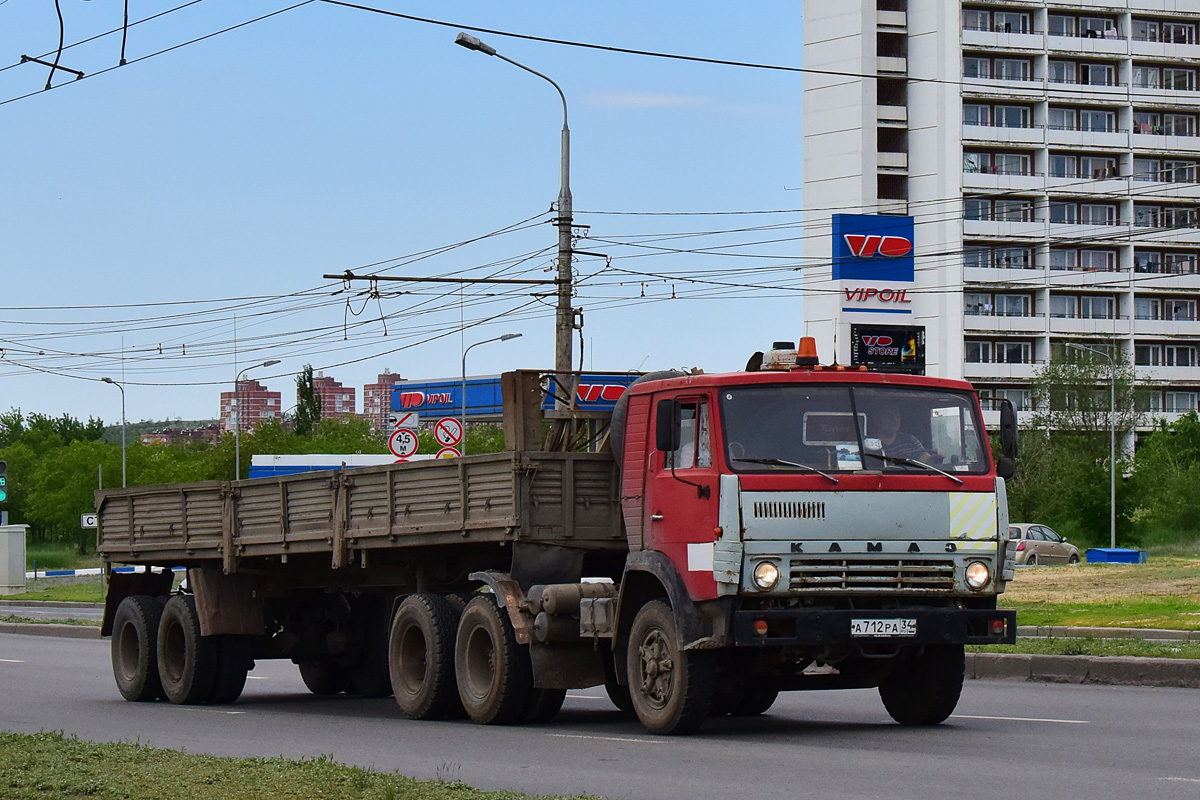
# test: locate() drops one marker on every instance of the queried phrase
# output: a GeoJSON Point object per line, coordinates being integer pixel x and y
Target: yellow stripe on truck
{"type": "Point", "coordinates": [972, 515]}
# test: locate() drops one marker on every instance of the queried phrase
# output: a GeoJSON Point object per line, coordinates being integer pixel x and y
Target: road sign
{"type": "Point", "coordinates": [448, 431]}
{"type": "Point", "coordinates": [448, 452]}
{"type": "Point", "coordinates": [403, 443]}
{"type": "Point", "coordinates": [88, 521]}
{"type": "Point", "coordinates": [405, 419]}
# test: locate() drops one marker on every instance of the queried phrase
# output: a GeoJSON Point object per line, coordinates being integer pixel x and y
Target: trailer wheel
{"type": "Point", "coordinates": [672, 689]}
{"type": "Point", "coordinates": [135, 648]}
{"type": "Point", "coordinates": [493, 671]}
{"type": "Point", "coordinates": [754, 702]}
{"type": "Point", "coordinates": [618, 694]}
{"type": "Point", "coordinates": [324, 677]}
{"type": "Point", "coordinates": [233, 662]}
{"type": "Point", "coordinates": [543, 705]}
{"type": "Point", "coordinates": [923, 690]}
{"type": "Point", "coordinates": [421, 657]}
{"type": "Point", "coordinates": [187, 661]}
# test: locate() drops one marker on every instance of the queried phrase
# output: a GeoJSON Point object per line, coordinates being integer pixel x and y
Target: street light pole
{"type": "Point", "coordinates": [1112, 439]}
{"type": "Point", "coordinates": [237, 427]}
{"type": "Point", "coordinates": [564, 314]}
{"type": "Point", "coordinates": [122, 388]}
{"type": "Point", "coordinates": [503, 338]}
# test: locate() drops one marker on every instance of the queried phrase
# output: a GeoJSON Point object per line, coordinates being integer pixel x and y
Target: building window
{"type": "Point", "coordinates": [977, 67]}
{"type": "Point", "coordinates": [976, 20]}
{"type": "Point", "coordinates": [1061, 72]}
{"type": "Point", "coordinates": [1179, 125]}
{"type": "Point", "coordinates": [1097, 167]}
{"type": "Point", "coordinates": [1063, 213]}
{"type": "Point", "coordinates": [998, 258]}
{"type": "Point", "coordinates": [1097, 74]}
{"type": "Point", "coordinates": [1064, 306]}
{"type": "Point", "coordinates": [1180, 402]}
{"type": "Point", "coordinates": [1063, 119]}
{"type": "Point", "coordinates": [1011, 116]}
{"type": "Point", "coordinates": [978, 352]}
{"type": "Point", "coordinates": [975, 114]}
{"type": "Point", "coordinates": [1146, 77]}
{"type": "Point", "coordinates": [1064, 166]}
{"type": "Point", "coordinates": [1013, 210]}
{"type": "Point", "coordinates": [1178, 33]}
{"type": "Point", "coordinates": [1012, 69]}
{"type": "Point", "coordinates": [1096, 307]}
{"type": "Point", "coordinates": [1183, 80]}
{"type": "Point", "coordinates": [1063, 259]}
{"type": "Point", "coordinates": [1147, 355]}
{"type": "Point", "coordinates": [1179, 263]}
{"type": "Point", "coordinates": [1145, 30]}
{"type": "Point", "coordinates": [1179, 355]}
{"type": "Point", "coordinates": [1020, 398]}
{"type": "Point", "coordinates": [1013, 353]}
{"type": "Point", "coordinates": [1010, 22]}
{"type": "Point", "coordinates": [976, 208]}
{"type": "Point", "coordinates": [1098, 260]}
{"type": "Point", "coordinates": [1098, 121]}
{"type": "Point", "coordinates": [1097, 214]}
{"type": "Point", "coordinates": [1147, 122]}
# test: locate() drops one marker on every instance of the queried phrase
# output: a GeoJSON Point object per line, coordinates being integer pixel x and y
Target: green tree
{"type": "Point", "coordinates": [308, 403]}
{"type": "Point", "coordinates": [1163, 484]}
{"type": "Point", "coordinates": [345, 435]}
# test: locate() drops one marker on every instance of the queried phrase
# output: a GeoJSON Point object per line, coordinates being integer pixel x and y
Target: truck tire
{"type": "Point", "coordinates": [923, 690]}
{"type": "Point", "coordinates": [754, 702]}
{"type": "Point", "coordinates": [492, 669]}
{"type": "Point", "coordinates": [618, 694]}
{"type": "Point", "coordinates": [324, 677]}
{"type": "Point", "coordinates": [135, 648]}
{"type": "Point", "coordinates": [187, 661]}
{"type": "Point", "coordinates": [421, 657]}
{"type": "Point", "coordinates": [616, 425]}
{"type": "Point", "coordinates": [543, 705]}
{"type": "Point", "coordinates": [369, 675]}
{"type": "Point", "coordinates": [671, 689]}
{"type": "Point", "coordinates": [233, 662]}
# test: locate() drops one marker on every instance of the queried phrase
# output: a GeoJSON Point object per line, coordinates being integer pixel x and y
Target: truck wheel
{"type": "Point", "coordinates": [672, 689]}
{"type": "Point", "coordinates": [187, 661]}
{"type": "Point", "coordinates": [543, 705]}
{"type": "Point", "coordinates": [493, 671]}
{"type": "Point", "coordinates": [135, 648]}
{"type": "Point", "coordinates": [421, 657]}
{"type": "Point", "coordinates": [924, 690]}
{"type": "Point", "coordinates": [233, 662]}
{"type": "Point", "coordinates": [324, 677]}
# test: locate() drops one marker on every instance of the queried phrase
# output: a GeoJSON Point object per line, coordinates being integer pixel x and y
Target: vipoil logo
{"type": "Point", "coordinates": [877, 341]}
{"type": "Point", "coordinates": [873, 246]}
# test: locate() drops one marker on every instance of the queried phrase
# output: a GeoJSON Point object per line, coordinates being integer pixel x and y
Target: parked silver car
{"type": "Point", "coordinates": [1039, 544]}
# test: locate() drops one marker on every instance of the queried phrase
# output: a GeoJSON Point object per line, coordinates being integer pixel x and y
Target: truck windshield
{"type": "Point", "coordinates": [841, 428]}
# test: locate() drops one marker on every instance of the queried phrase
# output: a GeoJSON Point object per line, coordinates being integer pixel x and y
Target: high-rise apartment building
{"type": "Point", "coordinates": [1049, 155]}
{"type": "Point", "coordinates": [336, 400]}
{"type": "Point", "coordinates": [377, 399]}
{"type": "Point", "coordinates": [257, 403]}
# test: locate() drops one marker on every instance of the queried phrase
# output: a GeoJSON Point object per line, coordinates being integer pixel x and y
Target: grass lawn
{"type": "Point", "coordinates": [89, 589]}
{"type": "Point", "coordinates": [49, 766]}
{"type": "Point", "coordinates": [1163, 593]}
{"type": "Point", "coordinates": [1095, 647]}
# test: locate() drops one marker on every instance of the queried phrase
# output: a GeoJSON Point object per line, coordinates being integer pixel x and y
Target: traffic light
{"type": "Point", "coordinates": [3, 481]}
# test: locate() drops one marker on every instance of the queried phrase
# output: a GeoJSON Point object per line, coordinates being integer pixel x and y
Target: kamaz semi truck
{"type": "Point", "coordinates": [715, 540]}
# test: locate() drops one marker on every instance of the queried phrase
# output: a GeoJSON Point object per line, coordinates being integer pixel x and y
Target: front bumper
{"type": "Point", "coordinates": [807, 626]}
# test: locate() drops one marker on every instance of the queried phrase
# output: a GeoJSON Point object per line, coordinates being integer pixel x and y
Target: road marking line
{"type": "Point", "coordinates": [1025, 719]}
{"type": "Point", "coordinates": [1182, 780]}
{"type": "Point", "coordinates": [585, 697]}
{"type": "Point", "coordinates": [11, 661]}
{"type": "Point", "coordinates": [607, 738]}
{"type": "Point", "coordinates": [257, 678]}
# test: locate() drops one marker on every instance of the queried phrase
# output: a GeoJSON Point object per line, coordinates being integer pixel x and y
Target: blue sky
{"type": "Point", "coordinates": [145, 207]}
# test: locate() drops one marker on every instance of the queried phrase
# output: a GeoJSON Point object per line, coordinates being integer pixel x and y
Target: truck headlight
{"type": "Point", "coordinates": [978, 575]}
{"type": "Point", "coordinates": [766, 575]}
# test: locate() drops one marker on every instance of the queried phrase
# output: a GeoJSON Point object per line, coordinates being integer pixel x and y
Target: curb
{"type": "Point", "coordinates": [51, 603]}
{"type": "Point", "coordinates": [52, 629]}
{"type": "Point", "coordinates": [1109, 670]}
{"type": "Point", "coordinates": [1147, 634]}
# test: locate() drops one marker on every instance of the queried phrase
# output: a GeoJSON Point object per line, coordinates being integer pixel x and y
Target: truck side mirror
{"type": "Point", "coordinates": [668, 428]}
{"type": "Point", "coordinates": [1008, 429]}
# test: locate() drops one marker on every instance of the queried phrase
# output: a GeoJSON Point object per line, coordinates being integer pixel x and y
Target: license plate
{"type": "Point", "coordinates": [883, 627]}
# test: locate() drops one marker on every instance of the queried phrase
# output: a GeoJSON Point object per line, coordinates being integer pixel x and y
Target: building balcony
{"type": "Point", "coordinates": [991, 275]}
{"type": "Point", "coordinates": [1000, 372]}
{"type": "Point", "coordinates": [1105, 47]}
{"type": "Point", "coordinates": [1165, 51]}
{"type": "Point", "coordinates": [996, 229]}
{"type": "Point", "coordinates": [1003, 40]}
{"type": "Point", "coordinates": [1007, 89]}
{"type": "Point", "coordinates": [891, 115]}
{"type": "Point", "coordinates": [1166, 236]}
{"type": "Point", "coordinates": [1166, 282]}
{"type": "Point", "coordinates": [1004, 182]}
{"type": "Point", "coordinates": [993, 135]}
{"type": "Point", "coordinates": [1082, 92]}
{"type": "Point", "coordinates": [891, 65]}
{"type": "Point", "coordinates": [1183, 328]}
{"type": "Point", "coordinates": [891, 21]}
{"type": "Point", "coordinates": [1176, 98]}
{"type": "Point", "coordinates": [1084, 233]}
{"type": "Point", "coordinates": [1169, 375]}
{"type": "Point", "coordinates": [1148, 191]}
{"type": "Point", "coordinates": [892, 207]}
{"type": "Point", "coordinates": [1085, 185]}
{"type": "Point", "coordinates": [1089, 325]}
{"type": "Point", "coordinates": [1108, 140]}
{"type": "Point", "coordinates": [1146, 140]}
{"type": "Point", "coordinates": [991, 323]}
{"type": "Point", "coordinates": [1063, 278]}
{"type": "Point", "coordinates": [893, 162]}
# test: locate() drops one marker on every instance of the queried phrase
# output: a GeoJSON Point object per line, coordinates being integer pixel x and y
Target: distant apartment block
{"type": "Point", "coordinates": [205, 433]}
{"type": "Point", "coordinates": [257, 402]}
{"type": "Point", "coordinates": [336, 400]}
{"type": "Point", "coordinates": [377, 399]}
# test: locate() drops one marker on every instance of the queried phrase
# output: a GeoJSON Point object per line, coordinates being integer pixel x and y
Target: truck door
{"type": "Point", "coordinates": [681, 502]}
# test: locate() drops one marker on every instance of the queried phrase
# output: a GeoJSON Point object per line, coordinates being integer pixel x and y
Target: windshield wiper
{"type": "Point", "coordinates": [912, 462]}
{"type": "Point", "coordinates": [779, 462]}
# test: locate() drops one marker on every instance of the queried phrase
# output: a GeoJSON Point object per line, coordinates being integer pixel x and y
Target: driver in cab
{"type": "Point", "coordinates": [897, 443]}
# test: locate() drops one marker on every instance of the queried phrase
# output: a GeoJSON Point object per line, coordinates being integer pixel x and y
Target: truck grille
{"type": "Point", "coordinates": [789, 510]}
{"type": "Point", "coordinates": [811, 575]}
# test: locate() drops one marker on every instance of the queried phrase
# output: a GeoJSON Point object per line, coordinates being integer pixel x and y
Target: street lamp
{"type": "Point", "coordinates": [122, 388]}
{"type": "Point", "coordinates": [564, 317]}
{"type": "Point", "coordinates": [237, 427]}
{"type": "Point", "coordinates": [1112, 439]}
{"type": "Point", "coordinates": [504, 338]}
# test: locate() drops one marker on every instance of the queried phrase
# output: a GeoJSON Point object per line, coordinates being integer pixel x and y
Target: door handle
{"type": "Point", "coordinates": [656, 517]}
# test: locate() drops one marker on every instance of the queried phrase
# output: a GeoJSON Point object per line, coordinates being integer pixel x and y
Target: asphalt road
{"type": "Point", "coordinates": [41, 611]}
{"type": "Point", "coordinates": [1007, 740]}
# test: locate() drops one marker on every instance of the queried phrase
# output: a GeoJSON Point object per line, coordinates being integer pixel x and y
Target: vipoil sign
{"type": "Point", "coordinates": [870, 247]}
